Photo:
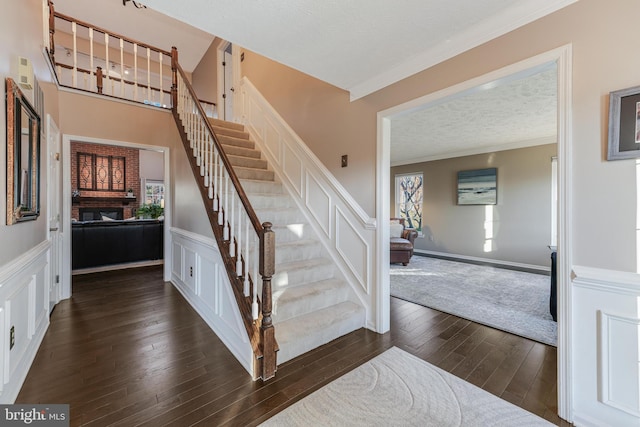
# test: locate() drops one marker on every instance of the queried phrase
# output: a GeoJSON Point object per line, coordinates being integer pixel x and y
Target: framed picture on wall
{"type": "Point", "coordinates": [478, 187]}
{"type": "Point", "coordinates": [624, 124]}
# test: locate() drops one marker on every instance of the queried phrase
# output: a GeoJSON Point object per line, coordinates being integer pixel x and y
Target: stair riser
{"type": "Point", "coordinates": [293, 346]}
{"type": "Point", "coordinates": [260, 201]}
{"type": "Point", "coordinates": [256, 187]}
{"type": "Point", "coordinates": [225, 124]}
{"type": "Point", "coordinates": [290, 253]}
{"type": "Point", "coordinates": [232, 150]}
{"type": "Point", "coordinates": [247, 162]}
{"type": "Point", "coordinates": [292, 232]}
{"type": "Point", "coordinates": [255, 174]}
{"type": "Point", "coordinates": [299, 277]}
{"type": "Point", "coordinates": [281, 217]}
{"type": "Point", "coordinates": [220, 131]}
{"type": "Point", "coordinates": [235, 142]}
{"type": "Point", "coordinates": [322, 298]}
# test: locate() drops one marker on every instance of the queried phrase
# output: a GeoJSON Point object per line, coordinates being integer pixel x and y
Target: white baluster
{"type": "Point", "coordinates": [232, 220]}
{"type": "Point", "coordinates": [121, 68]}
{"type": "Point", "coordinates": [149, 74]}
{"type": "Point", "coordinates": [211, 166]}
{"type": "Point", "coordinates": [220, 207]}
{"type": "Point", "coordinates": [74, 76]}
{"type": "Point", "coordinates": [226, 204]}
{"type": "Point", "coordinates": [135, 71]}
{"type": "Point", "coordinates": [247, 239]}
{"type": "Point", "coordinates": [214, 187]}
{"type": "Point", "coordinates": [106, 60]}
{"type": "Point", "coordinates": [160, 60]}
{"type": "Point", "coordinates": [91, 68]}
{"type": "Point", "coordinates": [239, 240]}
{"type": "Point", "coordinates": [254, 305]}
{"type": "Point", "coordinates": [205, 160]}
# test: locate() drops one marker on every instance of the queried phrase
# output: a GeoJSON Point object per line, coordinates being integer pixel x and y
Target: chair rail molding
{"type": "Point", "coordinates": [346, 231]}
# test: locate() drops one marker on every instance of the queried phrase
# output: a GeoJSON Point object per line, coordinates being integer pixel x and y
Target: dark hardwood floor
{"type": "Point", "coordinates": [128, 350]}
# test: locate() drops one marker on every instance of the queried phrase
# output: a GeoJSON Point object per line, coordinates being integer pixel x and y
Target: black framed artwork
{"type": "Point", "coordinates": [624, 124]}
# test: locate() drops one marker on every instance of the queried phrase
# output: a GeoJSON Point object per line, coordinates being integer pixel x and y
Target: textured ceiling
{"type": "Point", "coordinates": [512, 113]}
{"type": "Point", "coordinates": [144, 25]}
{"type": "Point", "coordinates": [358, 45]}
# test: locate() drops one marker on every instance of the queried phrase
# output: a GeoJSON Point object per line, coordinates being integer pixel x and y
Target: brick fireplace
{"type": "Point", "coordinates": [102, 174]}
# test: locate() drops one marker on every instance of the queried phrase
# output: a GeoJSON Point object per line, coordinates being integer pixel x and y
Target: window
{"type": "Point", "coordinates": [101, 173]}
{"type": "Point", "coordinates": [409, 199]}
{"type": "Point", "coordinates": [154, 192]}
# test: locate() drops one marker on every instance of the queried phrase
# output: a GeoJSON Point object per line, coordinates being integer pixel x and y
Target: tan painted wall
{"type": "Point", "coordinates": [21, 35]}
{"type": "Point", "coordinates": [521, 218]}
{"type": "Point", "coordinates": [603, 193]}
{"type": "Point", "coordinates": [141, 125]}
{"type": "Point", "coordinates": [204, 77]}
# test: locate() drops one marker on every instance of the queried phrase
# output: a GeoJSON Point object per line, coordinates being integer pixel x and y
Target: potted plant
{"type": "Point", "coordinates": [130, 192]}
{"type": "Point", "coordinates": [149, 211]}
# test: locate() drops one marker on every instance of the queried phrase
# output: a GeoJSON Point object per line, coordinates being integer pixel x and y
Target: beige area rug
{"type": "Point", "coordinates": [399, 389]}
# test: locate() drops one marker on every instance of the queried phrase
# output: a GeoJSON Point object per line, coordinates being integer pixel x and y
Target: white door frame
{"type": "Point", "coordinates": [54, 194]}
{"type": "Point", "coordinates": [563, 57]}
{"type": "Point", "coordinates": [66, 201]}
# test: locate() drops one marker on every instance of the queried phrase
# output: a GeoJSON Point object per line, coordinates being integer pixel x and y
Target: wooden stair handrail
{"type": "Point", "coordinates": [263, 340]}
{"type": "Point", "coordinates": [255, 222]}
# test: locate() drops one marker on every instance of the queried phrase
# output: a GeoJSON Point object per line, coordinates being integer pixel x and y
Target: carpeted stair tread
{"type": "Point", "coordinates": [297, 250]}
{"type": "Point", "coordinates": [297, 273]}
{"type": "Point", "coordinates": [223, 131]}
{"type": "Point", "coordinates": [300, 300]}
{"type": "Point", "coordinates": [270, 200]}
{"type": "Point", "coordinates": [247, 162]}
{"type": "Point", "coordinates": [235, 142]}
{"type": "Point", "coordinates": [303, 333]}
{"type": "Point", "coordinates": [280, 216]}
{"type": "Point", "coordinates": [292, 232]}
{"type": "Point", "coordinates": [232, 150]}
{"type": "Point", "coordinates": [226, 124]}
{"type": "Point", "coordinates": [256, 186]}
{"type": "Point", "coordinates": [251, 173]}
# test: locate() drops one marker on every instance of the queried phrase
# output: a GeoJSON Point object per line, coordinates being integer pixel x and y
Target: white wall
{"type": "Point", "coordinates": [151, 165]}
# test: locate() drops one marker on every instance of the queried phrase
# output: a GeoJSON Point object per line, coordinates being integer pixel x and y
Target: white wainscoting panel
{"type": "Point", "coordinates": [353, 248]}
{"type": "Point", "coordinates": [606, 347]}
{"type": "Point", "coordinates": [199, 274]}
{"type": "Point", "coordinates": [346, 231]}
{"type": "Point", "coordinates": [619, 374]}
{"type": "Point", "coordinates": [24, 305]}
{"type": "Point", "coordinates": [319, 203]}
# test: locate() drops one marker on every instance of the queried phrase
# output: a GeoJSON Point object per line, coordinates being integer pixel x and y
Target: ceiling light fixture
{"type": "Point", "coordinates": [135, 3]}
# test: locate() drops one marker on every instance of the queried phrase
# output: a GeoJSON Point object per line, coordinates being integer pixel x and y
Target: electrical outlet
{"type": "Point", "coordinates": [12, 337]}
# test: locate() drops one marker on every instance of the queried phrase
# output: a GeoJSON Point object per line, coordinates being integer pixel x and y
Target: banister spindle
{"type": "Point", "coordinates": [121, 68]}
{"type": "Point", "coordinates": [245, 271]}
{"type": "Point", "coordinates": [174, 74]}
{"type": "Point", "coordinates": [91, 55]}
{"type": "Point", "coordinates": [106, 56]}
{"type": "Point", "coordinates": [232, 220]}
{"type": "Point", "coordinates": [74, 76]}
{"type": "Point", "coordinates": [52, 30]}
{"type": "Point", "coordinates": [148, 74]}
{"type": "Point", "coordinates": [135, 74]}
{"type": "Point", "coordinates": [99, 79]}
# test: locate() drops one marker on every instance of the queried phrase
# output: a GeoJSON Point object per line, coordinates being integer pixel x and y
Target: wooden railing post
{"type": "Point", "coordinates": [174, 77]}
{"type": "Point", "coordinates": [99, 79]}
{"type": "Point", "coordinates": [52, 30]}
{"type": "Point", "coordinates": [267, 270]}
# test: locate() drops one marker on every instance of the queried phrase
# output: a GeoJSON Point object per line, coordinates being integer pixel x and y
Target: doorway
{"type": "Point", "coordinates": [562, 57]}
{"type": "Point", "coordinates": [66, 289]}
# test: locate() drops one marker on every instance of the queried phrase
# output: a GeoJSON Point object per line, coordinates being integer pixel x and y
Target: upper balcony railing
{"type": "Point", "coordinates": [92, 59]}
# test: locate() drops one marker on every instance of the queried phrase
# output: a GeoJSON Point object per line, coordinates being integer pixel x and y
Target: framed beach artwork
{"type": "Point", "coordinates": [478, 187]}
{"type": "Point", "coordinates": [624, 124]}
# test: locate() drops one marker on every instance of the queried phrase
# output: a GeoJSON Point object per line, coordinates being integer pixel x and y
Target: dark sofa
{"type": "Point", "coordinates": [100, 243]}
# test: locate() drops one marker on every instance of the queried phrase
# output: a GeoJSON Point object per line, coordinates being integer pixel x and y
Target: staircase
{"type": "Point", "coordinates": [312, 305]}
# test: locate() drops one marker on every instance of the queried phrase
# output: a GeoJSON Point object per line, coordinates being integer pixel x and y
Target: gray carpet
{"type": "Point", "coordinates": [512, 301]}
{"type": "Point", "coordinates": [398, 389]}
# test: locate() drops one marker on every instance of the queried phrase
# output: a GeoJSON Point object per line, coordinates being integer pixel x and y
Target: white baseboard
{"type": "Point", "coordinates": [496, 262]}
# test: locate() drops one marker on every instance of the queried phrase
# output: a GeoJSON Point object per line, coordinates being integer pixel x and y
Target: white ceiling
{"type": "Point", "coordinates": [518, 111]}
{"type": "Point", "coordinates": [358, 45]}
{"type": "Point", "coordinates": [143, 25]}
{"type": "Point", "coordinates": [362, 46]}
